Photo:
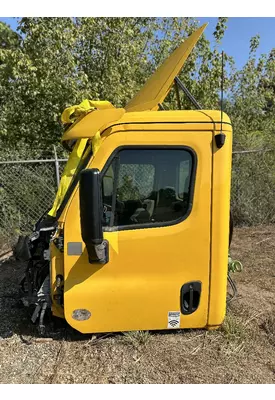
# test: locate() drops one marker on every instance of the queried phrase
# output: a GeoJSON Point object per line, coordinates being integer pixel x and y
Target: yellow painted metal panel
{"type": "Point", "coordinates": [220, 229]}
{"type": "Point", "coordinates": [157, 87]}
{"type": "Point", "coordinates": [89, 125]}
{"type": "Point", "coordinates": [141, 283]}
{"type": "Point", "coordinates": [178, 116]}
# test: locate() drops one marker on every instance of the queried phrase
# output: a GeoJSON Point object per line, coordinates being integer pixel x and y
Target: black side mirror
{"type": "Point", "coordinates": [91, 209]}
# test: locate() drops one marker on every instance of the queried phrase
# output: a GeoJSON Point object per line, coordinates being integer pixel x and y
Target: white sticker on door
{"type": "Point", "coordinates": [173, 319]}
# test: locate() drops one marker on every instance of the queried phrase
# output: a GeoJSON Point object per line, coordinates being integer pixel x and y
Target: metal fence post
{"type": "Point", "coordinates": [56, 167]}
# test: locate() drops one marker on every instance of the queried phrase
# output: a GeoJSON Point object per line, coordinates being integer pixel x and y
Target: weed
{"type": "Point", "coordinates": [137, 338]}
{"type": "Point", "coordinates": [233, 328]}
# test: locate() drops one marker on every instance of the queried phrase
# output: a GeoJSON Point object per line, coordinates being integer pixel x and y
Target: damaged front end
{"type": "Point", "coordinates": [35, 284]}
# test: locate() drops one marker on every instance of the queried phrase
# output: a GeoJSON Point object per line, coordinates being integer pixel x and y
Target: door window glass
{"type": "Point", "coordinates": [147, 186]}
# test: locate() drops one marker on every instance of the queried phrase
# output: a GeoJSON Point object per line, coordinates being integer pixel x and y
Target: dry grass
{"type": "Point", "coordinates": [137, 338]}
{"type": "Point", "coordinates": [242, 351]}
{"type": "Point", "coordinates": [268, 325]}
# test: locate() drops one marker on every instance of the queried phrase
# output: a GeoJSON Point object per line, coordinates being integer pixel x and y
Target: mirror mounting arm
{"type": "Point", "coordinates": [98, 253]}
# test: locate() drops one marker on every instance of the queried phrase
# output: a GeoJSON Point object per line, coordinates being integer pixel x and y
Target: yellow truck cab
{"type": "Point", "coordinates": [138, 236]}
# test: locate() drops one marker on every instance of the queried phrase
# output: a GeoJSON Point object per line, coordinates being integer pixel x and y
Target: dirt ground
{"type": "Point", "coordinates": [242, 351]}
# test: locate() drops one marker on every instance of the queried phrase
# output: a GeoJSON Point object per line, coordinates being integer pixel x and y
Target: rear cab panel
{"type": "Point", "coordinates": [221, 184]}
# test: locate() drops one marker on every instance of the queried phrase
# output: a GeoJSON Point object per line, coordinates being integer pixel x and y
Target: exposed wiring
{"type": "Point", "coordinates": [233, 265]}
{"type": "Point", "coordinates": [234, 288]}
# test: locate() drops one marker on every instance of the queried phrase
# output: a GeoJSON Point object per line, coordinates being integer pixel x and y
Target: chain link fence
{"type": "Point", "coordinates": [141, 181]}
{"type": "Point", "coordinates": [253, 187]}
{"type": "Point", "coordinates": [28, 188]}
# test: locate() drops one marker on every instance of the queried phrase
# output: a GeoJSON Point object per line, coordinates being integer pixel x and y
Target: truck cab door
{"type": "Point", "coordinates": [156, 217]}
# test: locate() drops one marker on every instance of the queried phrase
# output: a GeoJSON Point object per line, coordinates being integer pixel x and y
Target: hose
{"type": "Point", "coordinates": [234, 265]}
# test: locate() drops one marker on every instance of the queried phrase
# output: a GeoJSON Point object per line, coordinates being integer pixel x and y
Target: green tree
{"type": "Point", "coordinates": [8, 38]}
{"type": "Point", "coordinates": [51, 63]}
{"type": "Point", "coordinates": [251, 109]}
{"type": "Point", "coordinates": [60, 61]}
{"type": "Point", "coordinates": [41, 78]}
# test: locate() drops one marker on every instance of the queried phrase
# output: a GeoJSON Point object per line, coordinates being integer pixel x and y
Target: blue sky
{"type": "Point", "coordinates": [237, 35]}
